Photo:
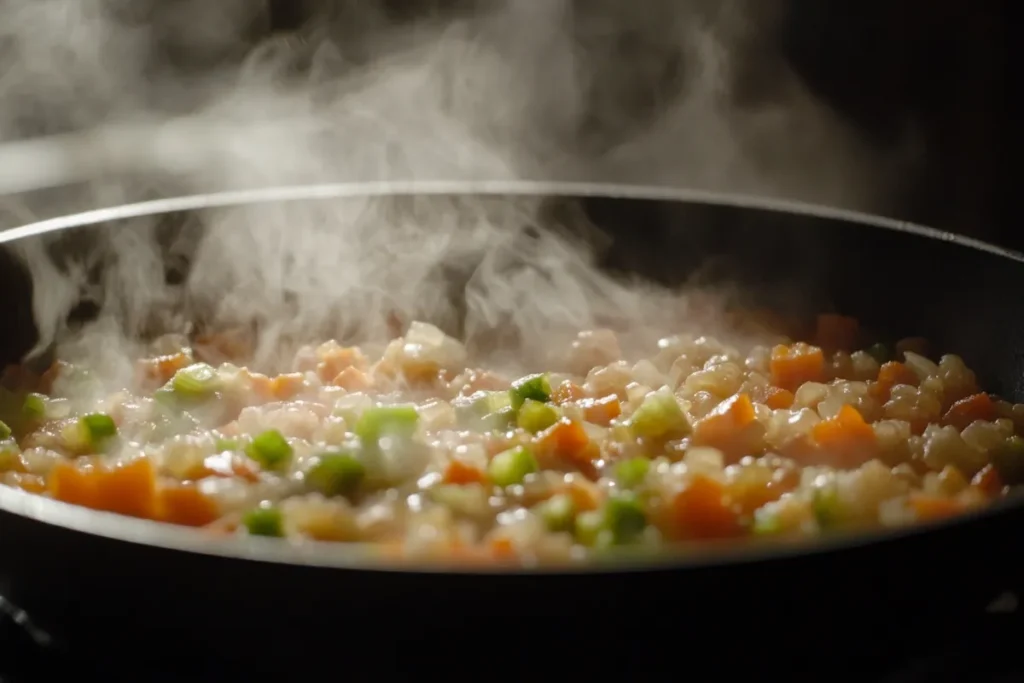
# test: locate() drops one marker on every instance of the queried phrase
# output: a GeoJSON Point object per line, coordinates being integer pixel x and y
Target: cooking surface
{"type": "Point", "coordinates": [988, 656]}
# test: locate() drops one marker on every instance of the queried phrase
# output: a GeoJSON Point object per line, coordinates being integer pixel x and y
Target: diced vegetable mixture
{"type": "Point", "coordinates": [425, 457]}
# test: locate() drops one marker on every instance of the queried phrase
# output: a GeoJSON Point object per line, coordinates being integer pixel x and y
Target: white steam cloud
{"type": "Point", "coordinates": [642, 93]}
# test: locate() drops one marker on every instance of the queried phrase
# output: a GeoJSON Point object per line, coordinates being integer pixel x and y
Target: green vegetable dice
{"type": "Point", "coordinates": [558, 512]}
{"type": "Point", "coordinates": [659, 417]}
{"type": "Point", "coordinates": [766, 522]}
{"type": "Point", "coordinates": [535, 416]}
{"type": "Point", "coordinates": [386, 421]}
{"type": "Point", "coordinates": [34, 407]}
{"type": "Point", "coordinates": [336, 473]}
{"type": "Point", "coordinates": [625, 518]}
{"type": "Point", "coordinates": [532, 387]}
{"type": "Point", "coordinates": [222, 445]}
{"type": "Point", "coordinates": [511, 467]}
{"type": "Point", "coordinates": [592, 530]}
{"type": "Point", "coordinates": [97, 428]}
{"type": "Point", "coordinates": [827, 507]}
{"type": "Point", "coordinates": [271, 450]}
{"type": "Point", "coordinates": [632, 472]}
{"type": "Point", "coordinates": [196, 381]}
{"type": "Point", "coordinates": [265, 520]}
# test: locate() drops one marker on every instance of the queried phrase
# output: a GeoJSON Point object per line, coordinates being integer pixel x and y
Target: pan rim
{"type": "Point", "coordinates": [289, 193]}
{"type": "Point", "coordinates": [366, 557]}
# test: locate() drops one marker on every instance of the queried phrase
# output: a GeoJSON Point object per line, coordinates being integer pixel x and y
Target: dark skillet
{"type": "Point", "coordinates": [102, 581]}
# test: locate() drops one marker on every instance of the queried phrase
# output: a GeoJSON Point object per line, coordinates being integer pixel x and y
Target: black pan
{"type": "Point", "coordinates": [101, 582]}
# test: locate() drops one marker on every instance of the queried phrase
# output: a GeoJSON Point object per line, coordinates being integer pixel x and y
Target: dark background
{"type": "Point", "coordinates": [946, 64]}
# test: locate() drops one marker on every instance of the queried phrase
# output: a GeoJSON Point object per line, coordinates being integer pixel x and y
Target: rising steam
{"type": "Point", "coordinates": [520, 89]}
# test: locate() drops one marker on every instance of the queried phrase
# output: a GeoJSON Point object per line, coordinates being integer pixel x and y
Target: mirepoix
{"type": "Point", "coordinates": [420, 454]}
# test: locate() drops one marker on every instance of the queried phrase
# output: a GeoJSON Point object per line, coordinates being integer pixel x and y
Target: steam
{"type": "Point", "coordinates": [518, 89]}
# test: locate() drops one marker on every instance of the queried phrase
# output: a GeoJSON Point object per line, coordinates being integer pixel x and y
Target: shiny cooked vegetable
{"type": "Point", "coordinates": [424, 456]}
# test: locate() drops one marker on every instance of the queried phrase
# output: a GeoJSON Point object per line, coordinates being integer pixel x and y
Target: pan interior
{"type": "Point", "coordinates": [897, 280]}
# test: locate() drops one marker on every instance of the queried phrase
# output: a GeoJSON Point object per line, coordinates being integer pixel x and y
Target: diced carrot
{"type": "Point", "coordinates": [988, 481]}
{"type": "Point", "coordinates": [566, 392]}
{"type": "Point", "coordinates": [421, 373]}
{"type": "Point", "coordinates": [567, 442]}
{"type": "Point", "coordinates": [284, 387]}
{"type": "Point", "coordinates": [565, 437]}
{"type": "Point", "coordinates": [731, 427]}
{"type": "Point", "coordinates": [601, 411]}
{"type": "Point", "coordinates": [837, 332]}
{"type": "Point", "coordinates": [930, 508]}
{"type": "Point", "coordinates": [791, 366]}
{"type": "Point", "coordinates": [845, 439]}
{"type": "Point", "coordinates": [890, 375]}
{"type": "Point", "coordinates": [777, 398]}
{"type": "Point", "coordinates": [703, 510]}
{"type": "Point", "coordinates": [185, 504]}
{"type": "Point", "coordinates": [129, 489]}
{"type": "Point", "coordinates": [502, 548]}
{"type": "Point", "coordinates": [965, 411]}
{"type": "Point", "coordinates": [459, 472]}
{"type": "Point", "coordinates": [262, 386]}
{"type": "Point", "coordinates": [334, 360]}
{"type": "Point", "coordinates": [75, 485]}
{"type": "Point", "coordinates": [353, 379]}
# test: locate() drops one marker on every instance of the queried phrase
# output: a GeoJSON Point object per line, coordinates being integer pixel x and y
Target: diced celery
{"type": "Point", "coordinates": [222, 445]}
{"type": "Point", "coordinates": [558, 512]}
{"type": "Point", "coordinates": [632, 472]}
{"type": "Point", "coordinates": [827, 507]}
{"type": "Point", "coordinates": [625, 517]}
{"type": "Point", "coordinates": [766, 522]}
{"type": "Point", "coordinates": [271, 450]}
{"type": "Point", "coordinates": [512, 466]}
{"type": "Point", "coordinates": [34, 407]}
{"type": "Point", "coordinates": [535, 416]}
{"type": "Point", "coordinates": [265, 520]}
{"type": "Point", "coordinates": [97, 428]}
{"type": "Point", "coordinates": [620, 522]}
{"type": "Point", "coordinates": [198, 380]}
{"type": "Point", "coordinates": [489, 411]}
{"type": "Point", "coordinates": [592, 531]}
{"type": "Point", "coordinates": [659, 416]}
{"type": "Point", "coordinates": [336, 473]}
{"type": "Point", "coordinates": [391, 421]}
{"type": "Point", "coordinates": [535, 387]}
